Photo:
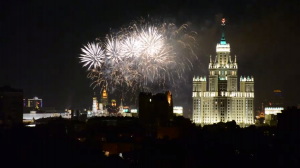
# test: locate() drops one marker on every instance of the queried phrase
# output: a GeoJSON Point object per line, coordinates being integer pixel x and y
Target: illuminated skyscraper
{"type": "Point", "coordinates": [223, 101]}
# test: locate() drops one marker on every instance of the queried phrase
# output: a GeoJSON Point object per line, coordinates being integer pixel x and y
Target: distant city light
{"type": "Point", "coordinates": [133, 111]}
{"type": "Point", "coordinates": [178, 110]}
{"type": "Point", "coordinates": [30, 125]}
{"type": "Point", "coordinates": [273, 110]}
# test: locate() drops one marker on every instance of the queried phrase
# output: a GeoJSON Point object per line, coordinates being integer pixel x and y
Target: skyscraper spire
{"type": "Point", "coordinates": [223, 42]}
{"type": "Point", "coordinates": [235, 59]}
{"type": "Point", "coordinates": [210, 59]}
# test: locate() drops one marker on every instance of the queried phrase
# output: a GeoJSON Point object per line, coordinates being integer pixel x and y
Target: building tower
{"type": "Point", "coordinates": [104, 99]}
{"type": "Point", "coordinates": [222, 101]}
{"type": "Point", "coordinates": [95, 103]}
{"type": "Point", "coordinates": [121, 107]}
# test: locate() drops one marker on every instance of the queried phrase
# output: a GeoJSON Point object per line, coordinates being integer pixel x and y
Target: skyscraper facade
{"type": "Point", "coordinates": [223, 101]}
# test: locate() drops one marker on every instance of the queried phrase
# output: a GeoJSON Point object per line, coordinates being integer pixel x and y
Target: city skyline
{"type": "Point", "coordinates": [46, 41]}
{"type": "Point", "coordinates": [149, 83]}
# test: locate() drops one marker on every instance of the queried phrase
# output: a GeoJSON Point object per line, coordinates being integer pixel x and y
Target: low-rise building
{"type": "Point", "coordinates": [11, 105]}
{"type": "Point", "coordinates": [271, 115]}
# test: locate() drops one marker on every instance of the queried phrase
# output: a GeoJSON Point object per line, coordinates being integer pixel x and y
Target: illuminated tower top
{"type": "Point", "coordinates": [223, 42]}
{"type": "Point", "coordinates": [223, 46]}
{"type": "Point", "coordinates": [104, 94]}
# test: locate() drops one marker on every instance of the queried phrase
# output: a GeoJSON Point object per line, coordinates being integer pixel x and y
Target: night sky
{"type": "Point", "coordinates": [41, 41]}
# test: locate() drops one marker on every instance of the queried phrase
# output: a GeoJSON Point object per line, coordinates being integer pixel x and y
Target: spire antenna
{"type": "Point", "coordinates": [223, 32]}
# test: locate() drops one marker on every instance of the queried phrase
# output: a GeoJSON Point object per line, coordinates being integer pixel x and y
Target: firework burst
{"type": "Point", "coordinates": [143, 52]}
{"type": "Point", "coordinates": [93, 55]}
